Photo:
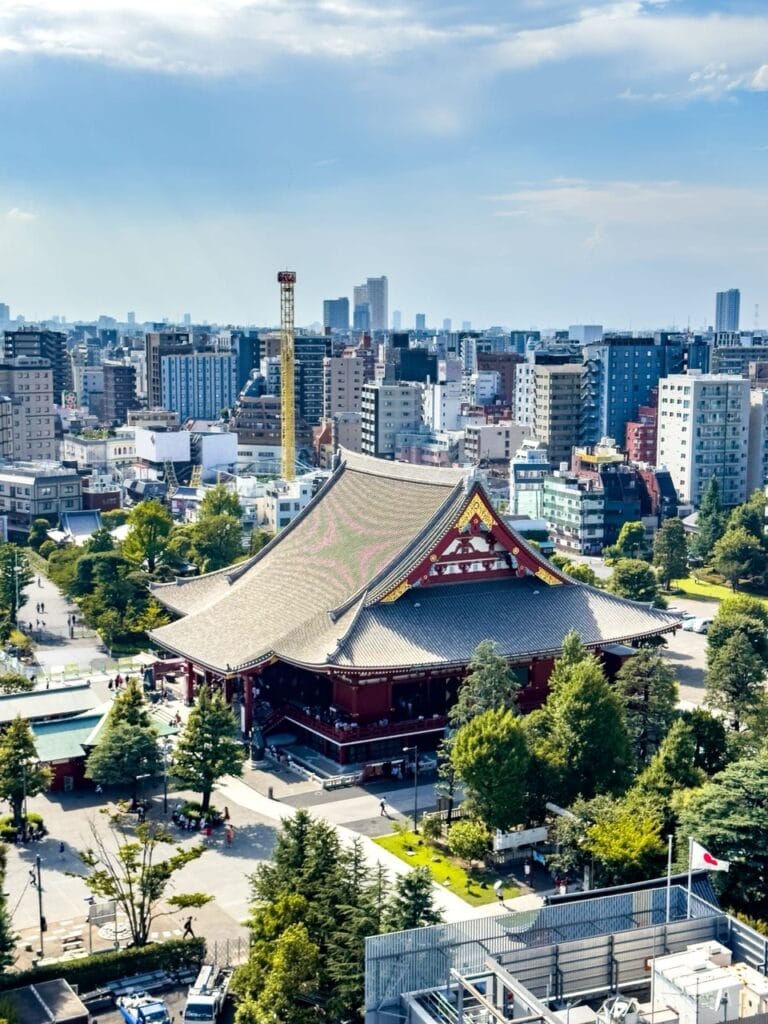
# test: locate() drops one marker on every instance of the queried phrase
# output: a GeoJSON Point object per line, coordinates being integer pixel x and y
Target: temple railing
{"type": "Point", "coordinates": [352, 734]}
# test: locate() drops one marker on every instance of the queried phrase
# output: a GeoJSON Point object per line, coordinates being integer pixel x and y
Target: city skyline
{"type": "Point", "coordinates": [552, 164]}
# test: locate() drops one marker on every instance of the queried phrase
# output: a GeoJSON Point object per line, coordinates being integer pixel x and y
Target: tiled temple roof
{"type": "Point", "coordinates": [314, 595]}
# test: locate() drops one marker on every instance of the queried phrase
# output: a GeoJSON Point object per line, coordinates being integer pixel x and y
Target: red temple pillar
{"type": "Point", "coordinates": [228, 689]}
{"type": "Point", "coordinates": [190, 684]}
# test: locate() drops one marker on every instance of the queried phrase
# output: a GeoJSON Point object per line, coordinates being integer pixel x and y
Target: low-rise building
{"type": "Point", "coordinates": [166, 419]}
{"type": "Point", "coordinates": [527, 470]}
{"type": "Point", "coordinates": [492, 442]}
{"type": "Point", "coordinates": [37, 490]}
{"type": "Point", "coordinates": [574, 508]}
{"type": "Point", "coordinates": [103, 453]}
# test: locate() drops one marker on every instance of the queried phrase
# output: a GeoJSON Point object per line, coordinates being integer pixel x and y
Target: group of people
{"type": "Point", "coordinates": [189, 823]}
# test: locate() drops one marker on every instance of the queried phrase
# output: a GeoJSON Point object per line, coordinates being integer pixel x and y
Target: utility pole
{"type": "Point", "coordinates": [415, 750]}
{"type": "Point", "coordinates": [287, 280]}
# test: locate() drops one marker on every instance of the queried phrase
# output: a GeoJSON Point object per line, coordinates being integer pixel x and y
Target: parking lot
{"type": "Point", "coordinates": [687, 652]}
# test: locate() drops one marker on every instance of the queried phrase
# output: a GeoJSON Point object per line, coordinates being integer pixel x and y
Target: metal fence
{"type": "Point", "coordinates": [228, 952]}
{"type": "Point", "coordinates": [590, 944]}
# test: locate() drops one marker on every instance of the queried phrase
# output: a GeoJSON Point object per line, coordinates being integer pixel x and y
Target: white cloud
{"type": "Point", "coordinates": [225, 37]}
{"type": "Point", "coordinates": [17, 214]}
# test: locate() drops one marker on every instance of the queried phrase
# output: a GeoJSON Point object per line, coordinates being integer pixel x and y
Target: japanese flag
{"type": "Point", "coordinates": [701, 858]}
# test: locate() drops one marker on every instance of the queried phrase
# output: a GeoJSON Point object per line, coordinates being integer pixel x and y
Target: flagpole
{"type": "Point", "coordinates": [669, 873]}
{"type": "Point", "coordinates": [690, 861]}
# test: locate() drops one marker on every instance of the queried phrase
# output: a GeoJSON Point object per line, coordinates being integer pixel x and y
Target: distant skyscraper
{"type": "Point", "coordinates": [397, 320]}
{"type": "Point", "coordinates": [378, 300]}
{"type": "Point", "coordinates": [361, 318]}
{"type": "Point", "coordinates": [187, 319]}
{"type": "Point", "coordinates": [5, 313]}
{"type": "Point", "coordinates": [585, 334]}
{"type": "Point", "coordinates": [727, 310]}
{"type": "Point", "coordinates": [336, 314]}
{"type": "Point", "coordinates": [447, 324]}
{"type": "Point", "coordinates": [466, 325]}
{"type": "Point", "coordinates": [131, 318]}
{"type": "Point", "coordinates": [421, 321]}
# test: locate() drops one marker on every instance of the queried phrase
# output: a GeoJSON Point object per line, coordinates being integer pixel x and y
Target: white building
{"type": "Point", "coordinates": [703, 986]}
{"type": "Point", "coordinates": [525, 407]}
{"type": "Point", "coordinates": [104, 454]}
{"type": "Point", "coordinates": [272, 506]}
{"type": "Point", "coordinates": [757, 452]}
{"type": "Point", "coordinates": [441, 405]}
{"type": "Point", "coordinates": [388, 409]}
{"type": "Point", "coordinates": [703, 431]}
{"type": "Point", "coordinates": [527, 469]}
{"type": "Point", "coordinates": [482, 387]}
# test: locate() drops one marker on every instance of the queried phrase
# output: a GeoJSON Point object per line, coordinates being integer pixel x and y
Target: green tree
{"type": "Point", "coordinates": [649, 691]}
{"type": "Point", "coordinates": [634, 580]}
{"type": "Point", "coordinates": [152, 617]}
{"type": "Point", "coordinates": [412, 903]}
{"type": "Point", "coordinates": [750, 516]}
{"type": "Point", "coordinates": [582, 573]}
{"type": "Point", "coordinates": [100, 540]}
{"type": "Point", "coordinates": [219, 501]}
{"type": "Point", "coordinates": [709, 738]}
{"type": "Point", "coordinates": [631, 542]}
{"type": "Point", "coordinates": [670, 552]}
{"type": "Point", "coordinates": [15, 577]}
{"type": "Point", "coordinates": [569, 834]}
{"type": "Point", "coordinates": [208, 747]}
{"type": "Point", "coordinates": [127, 743]}
{"type": "Point", "coordinates": [130, 871]}
{"type": "Point", "coordinates": [38, 533]}
{"type": "Point", "coordinates": [727, 624]}
{"type": "Point", "coordinates": [587, 716]}
{"type": "Point", "coordinates": [15, 682]}
{"type": "Point", "coordinates": [573, 653]}
{"type": "Point", "coordinates": [469, 840]}
{"type": "Point", "coordinates": [7, 935]}
{"type": "Point", "coordinates": [21, 774]}
{"type": "Point", "coordinates": [217, 540]}
{"type": "Point", "coordinates": [490, 756]}
{"type": "Point", "coordinates": [626, 845]}
{"type": "Point", "coordinates": [114, 517]}
{"type": "Point", "coordinates": [738, 555]}
{"type": "Point", "coordinates": [729, 817]}
{"type": "Point", "coordinates": [711, 520]}
{"type": "Point", "coordinates": [490, 683]}
{"type": "Point", "coordinates": [289, 991]}
{"type": "Point", "coordinates": [734, 681]}
{"type": "Point", "coordinates": [150, 527]}
{"type": "Point", "coordinates": [258, 540]}
{"type": "Point", "coordinates": [672, 768]}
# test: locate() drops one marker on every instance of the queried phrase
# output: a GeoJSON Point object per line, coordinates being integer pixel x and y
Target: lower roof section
{"type": "Point", "coordinates": [443, 625]}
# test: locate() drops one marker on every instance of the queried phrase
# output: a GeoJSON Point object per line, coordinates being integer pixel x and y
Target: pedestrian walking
{"type": "Point", "coordinates": [61, 848]}
{"type": "Point", "coordinates": [42, 607]}
{"type": "Point", "coordinates": [188, 929]}
{"type": "Point", "coordinates": [226, 813]}
{"type": "Point", "coordinates": [229, 833]}
{"type": "Point", "coordinates": [527, 869]}
{"type": "Point", "coordinates": [39, 582]}
{"type": "Point", "coordinates": [382, 808]}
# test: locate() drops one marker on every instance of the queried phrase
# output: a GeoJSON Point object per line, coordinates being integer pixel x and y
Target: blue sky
{"type": "Point", "coordinates": [521, 162]}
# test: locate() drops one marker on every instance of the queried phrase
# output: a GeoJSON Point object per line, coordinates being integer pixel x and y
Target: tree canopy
{"type": "Point", "coordinates": [490, 683]}
{"type": "Point", "coordinates": [21, 774]}
{"type": "Point", "coordinates": [648, 689]}
{"type": "Point", "coordinates": [490, 756]}
{"type": "Point", "coordinates": [711, 520]}
{"type": "Point", "coordinates": [208, 747]}
{"type": "Point", "coordinates": [150, 527]}
{"type": "Point", "coordinates": [670, 552]}
{"type": "Point", "coordinates": [738, 555]}
{"type": "Point", "coordinates": [635, 580]}
{"type": "Point", "coordinates": [219, 501]}
{"type": "Point", "coordinates": [734, 681]}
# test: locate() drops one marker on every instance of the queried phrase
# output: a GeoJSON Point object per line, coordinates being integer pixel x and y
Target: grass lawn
{"type": "Point", "coordinates": [713, 591]}
{"type": "Point", "coordinates": [476, 888]}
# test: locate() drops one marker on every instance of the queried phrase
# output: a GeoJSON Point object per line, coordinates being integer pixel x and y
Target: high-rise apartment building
{"type": "Point", "coordinates": [343, 384]}
{"type": "Point", "coordinates": [5, 313]}
{"type": "Point", "coordinates": [157, 345]}
{"type": "Point", "coordinates": [727, 309]}
{"type": "Point", "coordinates": [620, 374]}
{"type": "Point", "coordinates": [198, 385]}
{"type": "Point", "coordinates": [377, 289]}
{"type": "Point", "coordinates": [557, 408]}
{"type": "Point", "coordinates": [527, 469]}
{"type": "Point", "coordinates": [119, 391]}
{"type": "Point", "coordinates": [703, 430]}
{"type": "Point", "coordinates": [386, 410]}
{"type": "Point", "coordinates": [310, 351]}
{"type": "Point", "coordinates": [397, 320]}
{"type": "Point", "coordinates": [421, 321]}
{"type": "Point", "coordinates": [50, 345]}
{"type": "Point", "coordinates": [336, 314]}
{"type": "Point", "coordinates": [28, 383]}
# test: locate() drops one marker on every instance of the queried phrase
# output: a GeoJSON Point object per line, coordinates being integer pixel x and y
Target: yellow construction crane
{"type": "Point", "coordinates": [287, 279]}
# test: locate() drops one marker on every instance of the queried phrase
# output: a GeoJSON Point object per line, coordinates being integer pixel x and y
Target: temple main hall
{"type": "Point", "coordinates": [353, 628]}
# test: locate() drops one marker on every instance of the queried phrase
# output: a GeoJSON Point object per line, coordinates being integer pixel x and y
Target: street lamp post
{"type": "Point", "coordinates": [415, 750]}
{"type": "Point", "coordinates": [43, 925]}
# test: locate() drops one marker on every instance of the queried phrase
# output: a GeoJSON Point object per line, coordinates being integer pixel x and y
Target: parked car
{"type": "Point", "coordinates": [694, 625]}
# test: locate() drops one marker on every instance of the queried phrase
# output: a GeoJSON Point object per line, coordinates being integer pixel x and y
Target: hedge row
{"type": "Point", "coordinates": [96, 971]}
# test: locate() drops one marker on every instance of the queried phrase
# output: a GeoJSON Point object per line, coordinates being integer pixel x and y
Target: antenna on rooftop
{"type": "Point", "coordinates": [286, 280]}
